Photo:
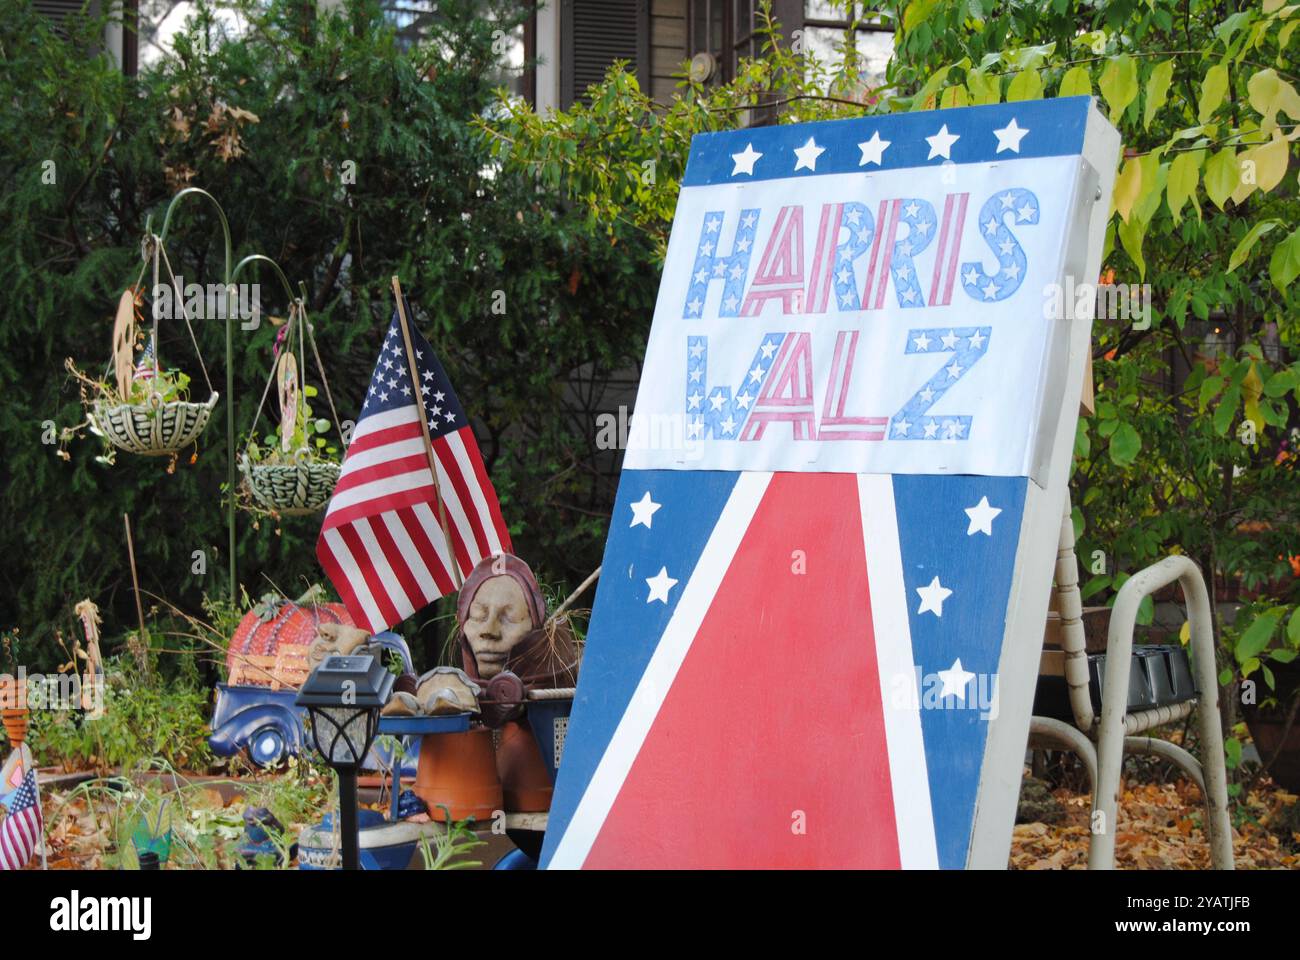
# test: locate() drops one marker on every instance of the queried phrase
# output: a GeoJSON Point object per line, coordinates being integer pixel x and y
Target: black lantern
{"type": "Point", "coordinates": [343, 697]}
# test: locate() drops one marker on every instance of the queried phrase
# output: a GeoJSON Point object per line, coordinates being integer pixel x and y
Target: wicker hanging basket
{"type": "Point", "coordinates": [154, 428]}
{"type": "Point", "coordinates": [291, 489]}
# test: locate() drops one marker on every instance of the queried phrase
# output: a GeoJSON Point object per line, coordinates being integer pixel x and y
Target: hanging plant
{"type": "Point", "coordinates": [293, 471]}
{"type": "Point", "coordinates": [146, 408]}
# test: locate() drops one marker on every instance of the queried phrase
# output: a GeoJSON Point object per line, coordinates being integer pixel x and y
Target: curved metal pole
{"type": "Point", "coordinates": [261, 258]}
{"type": "Point", "coordinates": [230, 370]}
{"type": "Point", "coordinates": [1051, 730]}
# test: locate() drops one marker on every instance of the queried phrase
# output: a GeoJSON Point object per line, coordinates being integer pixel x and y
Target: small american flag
{"type": "Point", "coordinates": [382, 543]}
{"type": "Point", "coordinates": [20, 830]}
{"type": "Point", "coordinates": [144, 366]}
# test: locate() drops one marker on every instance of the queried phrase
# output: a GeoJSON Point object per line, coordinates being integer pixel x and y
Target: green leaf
{"type": "Point", "coordinates": [1248, 242]}
{"type": "Point", "coordinates": [1293, 628]}
{"type": "Point", "coordinates": [1284, 265]}
{"type": "Point", "coordinates": [1225, 677]}
{"type": "Point", "coordinates": [1284, 656]}
{"type": "Point", "coordinates": [1210, 388]}
{"type": "Point", "coordinates": [1221, 176]}
{"type": "Point", "coordinates": [322, 425]}
{"type": "Point", "coordinates": [1124, 445]}
{"type": "Point", "coordinates": [1184, 174]}
{"type": "Point", "coordinates": [1257, 636]}
{"type": "Point", "coordinates": [918, 11]}
{"type": "Point", "coordinates": [1213, 89]}
{"type": "Point", "coordinates": [1146, 612]}
{"type": "Point", "coordinates": [1026, 85]}
{"type": "Point", "coordinates": [1227, 409]}
{"type": "Point", "coordinates": [1119, 85]}
{"type": "Point", "coordinates": [1157, 89]}
{"type": "Point", "coordinates": [1094, 586]}
{"type": "Point", "coordinates": [1131, 235]}
{"type": "Point", "coordinates": [1232, 753]}
{"type": "Point", "coordinates": [1075, 83]}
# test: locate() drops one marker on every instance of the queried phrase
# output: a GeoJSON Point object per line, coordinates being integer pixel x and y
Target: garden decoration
{"type": "Point", "coordinates": [509, 651]}
{"type": "Point", "coordinates": [275, 647]}
{"type": "Point", "coordinates": [277, 621]}
{"type": "Point", "coordinates": [93, 674]}
{"type": "Point", "coordinates": [13, 691]}
{"type": "Point", "coordinates": [146, 409]}
{"type": "Point", "coordinates": [343, 696]}
{"type": "Point", "coordinates": [293, 472]}
{"type": "Point", "coordinates": [865, 499]}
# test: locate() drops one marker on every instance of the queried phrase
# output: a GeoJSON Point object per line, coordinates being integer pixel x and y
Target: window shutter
{"type": "Point", "coordinates": [58, 11]}
{"type": "Point", "coordinates": [595, 34]}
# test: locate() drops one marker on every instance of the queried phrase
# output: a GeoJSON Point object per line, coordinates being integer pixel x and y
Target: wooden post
{"type": "Point", "coordinates": [135, 579]}
{"type": "Point", "coordinates": [424, 429]}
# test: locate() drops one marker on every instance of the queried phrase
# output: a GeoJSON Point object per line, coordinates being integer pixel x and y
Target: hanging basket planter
{"type": "Point", "coordinates": [294, 471]}
{"type": "Point", "coordinates": [292, 489]}
{"type": "Point", "coordinates": [140, 406]}
{"type": "Point", "coordinates": [154, 428]}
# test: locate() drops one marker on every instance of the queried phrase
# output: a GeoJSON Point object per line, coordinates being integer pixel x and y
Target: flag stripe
{"type": "Point", "coordinates": [494, 509]}
{"type": "Point", "coordinates": [425, 521]}
{"type": "Point", "coordinates": [423, 588]}
{"type": "Point", "coordinates": [374, 569]}
{"type": "Point", "coordinates": [913, 814]}
{"type": "Point", "coordinates": [459, 494]}
{"type": "Point", "coordinates": [466, 466]}
{"type": "Point", "coordinates": [366, 610]}
{"type": "Point", "coordinates": [417, 462]}
{"type": "Point", "coordinates": [391, 565]}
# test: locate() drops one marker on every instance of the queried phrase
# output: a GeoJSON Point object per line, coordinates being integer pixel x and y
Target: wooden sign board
{"type": "Point", "coordinates": [817, 632]}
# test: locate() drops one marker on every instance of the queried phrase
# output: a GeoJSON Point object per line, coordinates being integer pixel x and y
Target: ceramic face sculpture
{"type": "Point", "coordinates": [498, 620]}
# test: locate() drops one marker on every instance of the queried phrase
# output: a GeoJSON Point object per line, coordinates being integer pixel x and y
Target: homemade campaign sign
{"type": "Point", "coordinates": [816, 634]}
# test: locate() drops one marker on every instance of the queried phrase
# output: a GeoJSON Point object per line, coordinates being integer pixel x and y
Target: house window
{"type": "Point", "coordinates": [412, 20]}
{"type": "Point", "coordinates": [836, 30]}
{"type": "Point", "coordinates": [594, 34]}
{"type": "Point", "coordinates": [727, 30]}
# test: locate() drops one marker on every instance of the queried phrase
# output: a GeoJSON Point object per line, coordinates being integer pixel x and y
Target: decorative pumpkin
{"type": "Point", "coordinates": [277, 622]}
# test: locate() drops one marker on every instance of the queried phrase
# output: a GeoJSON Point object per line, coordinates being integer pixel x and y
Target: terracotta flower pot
{"type": "Point", "coordinates": [459, 771]}
{"type": "Point", "coordinates": [12, 694]}
{"type": "Point", "coordinates": [525, 781]}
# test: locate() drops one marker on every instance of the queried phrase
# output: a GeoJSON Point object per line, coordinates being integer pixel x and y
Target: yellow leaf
{"type": "Point", "coordinates": [1271, 161]}
{"type": "Point", "coordinates": [1127, 187]}
{"type": "Point", "coordinates": [1247, 177]}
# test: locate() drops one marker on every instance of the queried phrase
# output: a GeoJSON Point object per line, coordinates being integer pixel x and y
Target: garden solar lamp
{"type": "Point", "coordinates": [343, 697]}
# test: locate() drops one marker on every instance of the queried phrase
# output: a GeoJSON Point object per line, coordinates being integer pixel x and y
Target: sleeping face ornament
{"type": "Point", "coordinates": [502, 617]}
{"type": "Point", "coordinates": [498, 621]}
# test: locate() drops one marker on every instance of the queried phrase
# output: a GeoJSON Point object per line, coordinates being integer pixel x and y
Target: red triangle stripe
{"type": "Point", "coordinates": [769, 748]}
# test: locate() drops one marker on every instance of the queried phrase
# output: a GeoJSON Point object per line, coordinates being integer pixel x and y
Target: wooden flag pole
{"type": "Point", "coordinates": [135, 578]}
{"type": "Point", "coordinates": [424, 428]}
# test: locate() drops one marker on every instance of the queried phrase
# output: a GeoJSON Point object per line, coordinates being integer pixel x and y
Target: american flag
{"type": "Point", "coordinates": [20, 830]}
{"type": "Point", "coordinates": [144, 366]}
{"type": "Point", "coordinates": [382, 542]}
